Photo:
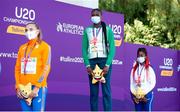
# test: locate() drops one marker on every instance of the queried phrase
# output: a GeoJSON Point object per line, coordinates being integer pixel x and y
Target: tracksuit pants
{"type": "Point", "coordinates": [106, 87]}
{"type": "Point", "coordinates": [144, 106]}
{"type": "Point", "coordinates": [38, 103]}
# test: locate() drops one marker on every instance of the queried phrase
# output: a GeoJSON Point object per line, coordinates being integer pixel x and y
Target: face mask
{"type": "Point", "coordinates": [141, 59]}
{"type": "Point", "coordinates": [95, 19]}
{"type": "Point", "coordinates": [31, 35]}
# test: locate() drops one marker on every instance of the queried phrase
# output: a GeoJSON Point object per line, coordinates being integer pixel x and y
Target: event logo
{"type": "Point", "coordinates": [167, 89]}
{"type": "Point", "coordinates": [167, 68]}
{"type": "Point", "coordinates": [25, 13]}
{"type": "Point", "coordinates": [78, 30]}
{"type": "Point", "coordinates": [16, 30]}
{"type": "Point", "coordinates": [69, 59]}
{"type": "Point", "coordinates": [8, 55]}
{"type": "Point", "coordinates": [117, 30]}
{"type": "Point", "coordinates": [69, 28]}
{"type": "Point", "coordinates": [23, 16]}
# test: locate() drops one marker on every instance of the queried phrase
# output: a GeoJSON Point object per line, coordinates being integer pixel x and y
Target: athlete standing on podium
{"type": "Point", "coordinates": [98, 48]}
{"type": "Point", "coordinates": [33, 66]}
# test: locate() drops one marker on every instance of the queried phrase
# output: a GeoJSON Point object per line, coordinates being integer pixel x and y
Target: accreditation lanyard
{"type": "Point", "coordinates": [139, 75]}
{"type": "Point", "coordinates": [26, 56]}
{"type": "Point", "coordinates": [95, 35]}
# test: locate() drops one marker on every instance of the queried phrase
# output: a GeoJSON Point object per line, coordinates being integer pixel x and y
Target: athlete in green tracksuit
{"type": "Point", "coordinates": [98, 47]}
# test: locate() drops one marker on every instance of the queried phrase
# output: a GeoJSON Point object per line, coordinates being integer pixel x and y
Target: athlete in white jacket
{"type": "Point", "coordinates": [142, 82]}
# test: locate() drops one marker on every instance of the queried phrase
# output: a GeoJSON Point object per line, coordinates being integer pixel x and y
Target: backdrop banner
{"type": "Point", "coordinates": [68, 87]}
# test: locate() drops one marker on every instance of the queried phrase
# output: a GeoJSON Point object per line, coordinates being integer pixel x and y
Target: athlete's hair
{"type": "Point", "coordinates": [97, 9]}
{"type": "Point", "coordinates": [142, 50]}
{"type": "Point", "coordinates": [147, 63]}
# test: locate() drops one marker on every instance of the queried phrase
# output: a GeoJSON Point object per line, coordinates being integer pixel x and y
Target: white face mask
{"type": "Point", "coordinates": [95, 19]}
{"type": "Point", "coordinates": [140, 59]}
{"type": "Point", "coordinates": [31, 35]}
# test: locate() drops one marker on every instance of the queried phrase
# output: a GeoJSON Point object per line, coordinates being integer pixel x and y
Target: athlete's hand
{"type": "Point", "coordinates": [105, 71]}
{"type": "Point", "coordinates": [90, 71]}
{"type": "Point", "coordinates": [18, 93]}
{"type": "Point", "coordinates": [34, 93]}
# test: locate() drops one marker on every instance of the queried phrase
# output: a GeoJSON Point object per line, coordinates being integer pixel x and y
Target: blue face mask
{"type": "Point", "coordinates": [95, 19]}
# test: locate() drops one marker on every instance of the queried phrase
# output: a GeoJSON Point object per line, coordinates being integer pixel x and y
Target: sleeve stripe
{"type": "Point", "coordinates": [48, 62]}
